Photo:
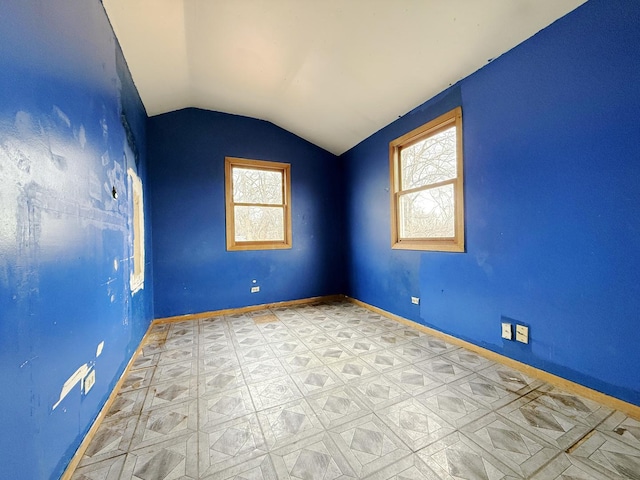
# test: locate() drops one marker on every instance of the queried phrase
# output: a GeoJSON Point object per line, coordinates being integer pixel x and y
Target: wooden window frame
{"type": "Point", "coordinates": [285, 169]}
{"type": "Point", "coordinates": [442, 244]}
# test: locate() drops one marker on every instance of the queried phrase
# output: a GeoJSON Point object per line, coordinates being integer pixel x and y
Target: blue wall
{"type": "Point", "coordinates": [65, 96]}
{"type": "Point", "coordinates": [552, 183]}
{"type": "Point", "coordinates": [193, 272]}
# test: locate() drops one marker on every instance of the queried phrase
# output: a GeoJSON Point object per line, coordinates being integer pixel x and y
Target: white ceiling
{"type": "Point", "coordinates": [330, 71]}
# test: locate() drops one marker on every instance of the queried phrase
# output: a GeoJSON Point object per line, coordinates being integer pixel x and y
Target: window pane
{"type": "Point", "coordinates": [428, 213]}
{"type": "Point", "coordinates": [430, 161]}
{"type": "Point", "coordinates": [259, 224]}
{"type": "Point", "coordinates": [257, 186]}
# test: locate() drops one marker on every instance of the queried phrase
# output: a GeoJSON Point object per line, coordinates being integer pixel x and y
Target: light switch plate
{"type": "Point", "coordinates": [522, 333]}
{"type": "Point", "coordinates": [507, 332]}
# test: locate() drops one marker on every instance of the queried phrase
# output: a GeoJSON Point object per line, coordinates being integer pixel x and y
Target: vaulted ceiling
{"type": "Point", "coordinates": [330, 71]}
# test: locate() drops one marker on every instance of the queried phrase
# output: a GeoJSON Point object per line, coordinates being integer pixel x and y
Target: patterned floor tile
{"type": "Point", "coordinates": [215, 363]}
{"type": "Point", "coordinates": [484, 391]}
{"type": "Point", "coordinates": [304, 360]}
{"type": "Point", "coordinates": [171, 392]}
{"type": "Point", "coordinates": [443, 369]}
{"type": "Point", "coordinates": [306, 331]}
{"type": "Point", "coordinates": [415, 424]}
{"type": "Point", "coordinates": [362, 346]}
{"type": "Point", "coordinates": [564, 467]}
{"type": "Point", "coordinates": [573, 406]}
{"type": "Point", "coordinates": [412, 352]}
{"type": "Point", "coordinates": [379, 392]}
{"type": "Point", "coordinates": [319, 340]}
{"type": "Point", "coordinates": [166, 423]}
{"type": "Point", "coordinates": [278, 394]}
{"type": "Point", "coordinates": [127, 404]}
{"type": "Point", "coordinates": [456, 409]}
{"type": "Point", "coordinates": [112, 439]}
{"type": "Point", "coordinates": [255, 353]}
{"type": "Point", "coordinates": [177, 355]}
{"type": "Point", "coordinates": [511, 379]}
{"type": "Point", "coordinates": [457, 457]}
{"type": "Point", "coordinates": [389, 339]}
{"type": "Point", "coordinates": [368, 444]}
{"type": "Point", "coordinates": [550, 425]}
{"type": "Point", "coordinates": [274, 392]}
{"type": "Point", "coordinates": [140, 378]}
{"type": "Point", "coordinates": [609, 456]}
{"type": "Point", "coordinates": [257, 372]}
{"type": "Point", "coordinates": [435, 345]}
{"type": "Point", "coordinates": [279, 336]}
{"type": "Point", "coordinates": [220, 381]}
{"type": "Point", "coordinates": [411, 467]}
{"type": "Point", "coordinates": [345, 334]}
{"type": "Point", "coordinates": [413, 380]}
{"type": "Point", "coordinates": [108, 469]}
{"type": "Point", "coordinates": [259, 468]}
{"type": "Point", "coordinates": [316, 380]}
{"type": "Point", "coordinates": [516, 447]}
{"type": "Point", "coordinates": [144, 361]}
{"type": "Point", "coordinates": [288, 347]}
{"type": "Point", "coordinates": [353, 369]}
{"type": "Point", "coordinates": [623, 428]}
{"type": "Point", "coordinates": [174, 459]}
{"type": "Point", "coordinates": [314, 458]}
{"type": "Point", "coordinates": [288, 423]}
{"type": "Point", "coordinates": [384, 360]}
{"type": "Point", "coordinates": [468, 360]}
{"type": "Point", "coordinates": [229, 444]}
{"type": "Point", "coordinates": [224, 406]}
{"type": "Point", "coordinates": [337, 406]}
{"type": "Point", "coordinates": [175, 372]}
{"type": "Point", "coordinates": [333, 353]}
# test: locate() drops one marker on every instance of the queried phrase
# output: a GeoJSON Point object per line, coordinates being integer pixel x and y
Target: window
{"type": "Point", "coordinates": [258, 204]}
{"type": "Point", "coordinates": [427, 204]}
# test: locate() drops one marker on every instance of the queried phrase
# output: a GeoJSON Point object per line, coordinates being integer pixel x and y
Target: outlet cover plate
{"type": "Point", "coordinates": [415, 300]}
{"type": "Point", "coordinates": [507, 331]}
{"type": "Point", "coordinates": [522, 333]}
{"type": "Point", "coordinates": [255, 289]}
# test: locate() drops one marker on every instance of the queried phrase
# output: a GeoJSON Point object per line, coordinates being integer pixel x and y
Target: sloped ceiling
{"type": "Point", "coordinates": [330, 71]}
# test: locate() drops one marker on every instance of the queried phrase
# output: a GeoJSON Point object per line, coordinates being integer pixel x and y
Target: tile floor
{"type": "Point", "coordinates": [334, 391]}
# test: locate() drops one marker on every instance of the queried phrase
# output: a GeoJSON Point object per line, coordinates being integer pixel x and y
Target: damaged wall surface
{"type": "Point", "coordinates": [71, 126]}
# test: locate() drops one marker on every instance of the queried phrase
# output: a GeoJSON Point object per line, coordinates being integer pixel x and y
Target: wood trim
{"type": "Point", "coordinates": [453, 117]}
{"type": "Point", "coordinates": [285, 169]}
{"type": "Point", "coordinates": [251, 308]}
{"type": "Point", "coordinates": [77, 457]}
{"type": "Point", "coordinates": [567, 385]}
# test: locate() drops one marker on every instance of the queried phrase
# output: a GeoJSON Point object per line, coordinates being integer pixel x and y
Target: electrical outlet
{"type": "Point", "coordinates": [522, 333]}
{"type": "Point", "coordinates": [507, 331]}
{"type": "Point", "coordinates": [415, 300]}
{"type": "Point", "coordinates": [255, 289]}
{"type": "Point", "coordinates": [89, 381]}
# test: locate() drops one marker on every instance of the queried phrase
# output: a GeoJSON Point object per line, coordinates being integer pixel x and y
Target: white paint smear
{"type": "Point", "coordinates": [99, 349]}
{"type": "Point", "coordinates": [74, 379]}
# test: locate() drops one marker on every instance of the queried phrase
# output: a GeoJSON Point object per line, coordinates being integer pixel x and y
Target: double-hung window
{"type": "Point", "coordinates": [258, 204]}
{"type": "Point", "coordinates": [427, 202]}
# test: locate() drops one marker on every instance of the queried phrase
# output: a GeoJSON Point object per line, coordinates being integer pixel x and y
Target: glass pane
{"type": "Point", "coordinates": [430, 161]}
{"type": "Point", "coordinates": [428, 214]}
{"type": "Point", "coordinates": [255, 224]}
{"type": "Point", "coordinates": [257, 186]}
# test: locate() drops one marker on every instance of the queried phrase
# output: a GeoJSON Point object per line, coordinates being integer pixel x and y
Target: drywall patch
{"type": "Point", "coordinates": [78, 376]}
